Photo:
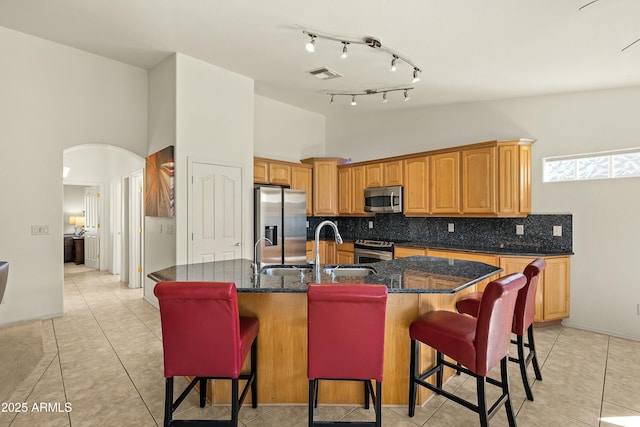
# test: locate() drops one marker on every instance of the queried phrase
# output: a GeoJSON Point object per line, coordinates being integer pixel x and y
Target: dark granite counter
{"type": "Point", "coordinates": [416, 274]}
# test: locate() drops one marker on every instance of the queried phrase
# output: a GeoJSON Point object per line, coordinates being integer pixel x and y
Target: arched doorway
{"type": "Point", "coordinates": [115, 174]}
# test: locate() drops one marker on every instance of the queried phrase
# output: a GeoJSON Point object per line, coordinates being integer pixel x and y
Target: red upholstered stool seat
{"type": "Point", "coordinates": [203, 336]}
{"type": "Point", "coordinates": [346, 340]}
{"type": "Point", "coordinates": [522, 320]}
{"type": "Point", "coordinates": [478, 344]}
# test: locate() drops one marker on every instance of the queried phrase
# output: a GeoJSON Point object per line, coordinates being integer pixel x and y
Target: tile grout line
{"type": "Point", "coordinates": [113, 348]}
{"type": "Point", "coordinates": [604, 380]}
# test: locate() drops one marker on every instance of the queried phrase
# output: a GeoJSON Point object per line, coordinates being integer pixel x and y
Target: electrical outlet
{"type": "Point", "coordinates": [519, 229]}
{"type": "Point", "coordinates": [370, 224]}
{"type": "Point", "coordinates": [451, 227]}
{"type": "Point", "coordinates": [557, 230]}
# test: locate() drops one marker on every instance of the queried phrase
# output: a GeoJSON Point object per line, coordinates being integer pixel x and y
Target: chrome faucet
{"type": "Point", "coordinates": [338, 237]}
{"type": "Point", "coordinates": [255, 253]}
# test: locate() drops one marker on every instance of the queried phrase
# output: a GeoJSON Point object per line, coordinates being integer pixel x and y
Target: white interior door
{"type": "Point", "coordinates": [124, 231]}
{"type": "Point", "coordinates": [216, 213]}
{"type": "Point", "coordinates": [92, 215]}
{"type": "Point", "coordinates": [135, 224]}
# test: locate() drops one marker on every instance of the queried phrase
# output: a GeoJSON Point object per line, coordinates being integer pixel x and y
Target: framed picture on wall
{"type": "Point", "coordinates": [159, 184]}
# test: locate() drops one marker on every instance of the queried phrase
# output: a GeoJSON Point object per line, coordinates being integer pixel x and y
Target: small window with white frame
{"type": "Point", "coordinates": [608, 164]}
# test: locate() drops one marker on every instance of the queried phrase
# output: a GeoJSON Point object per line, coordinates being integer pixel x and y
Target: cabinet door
{"type": "Point", "coordinates": [373, 175]}
{"type": "Point", "coordinates": [479, 180]}
{"type": "Point", "coordinates": [392, 172]}
{"type": "Point", "coordinates": [279, 174]}
{"type": "Point", "coordinates": [512, 265]}
{"type": "Point", "coordinates": [344, 253]}
{"type": "Point", "coordinates": [508, 179]}
{"type": "Point", "coordinates": [445, 183]}
{"type": "Point", "coordinates": [325, 187]}
{"type": "Point", "coordinates": [357, 190]}
{"type": "Point", "coordinates": [345, 189]}
{"type": "Point", "coordinates": [403, 252]}
{"type": "Point", "coordinates": [416, 186]}
{"type": "Point", "coordinates": [524, 167]}
{"type": "Point", "coordinates": [556, 288]}
{"type": "Point", "coordinates": [260, 171]}
{"type": "Point", "coordinates": [301, 179]}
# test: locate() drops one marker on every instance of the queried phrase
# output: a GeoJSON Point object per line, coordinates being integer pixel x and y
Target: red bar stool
{"type": "Point", "coordinates": [203, 336]}
{"type": "Point", "coordinates": [346, 340]}
{"type": "Point", "coordinates": [522, 320]}
{"type": "Point", "coordinates": [476, 344]}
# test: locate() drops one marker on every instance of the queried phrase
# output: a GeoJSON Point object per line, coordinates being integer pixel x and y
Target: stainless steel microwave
{"type": "Point", "coordinates": [383, 199]}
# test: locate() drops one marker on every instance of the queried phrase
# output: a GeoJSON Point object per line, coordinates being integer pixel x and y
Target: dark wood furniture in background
{"type": "Point", "coordinates": [78, 250]}
{"type": "Point", "coordinates": [68, 248]}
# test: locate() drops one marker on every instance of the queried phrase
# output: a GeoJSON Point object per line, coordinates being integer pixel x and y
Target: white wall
{"type": "Point", "coordinates": [53, 97]}
{"type": "Point", "coordinates": [159, 245]}
{"type": "Point", "coordinates": [285, 132]}
{"type": "Point", "coordinates": [214, 110]}
{"type": "Point", "coordinates": [604, 282]}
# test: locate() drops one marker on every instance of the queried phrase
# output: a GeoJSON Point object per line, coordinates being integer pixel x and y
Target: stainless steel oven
{"type": "Point", "coordinates": [368, 251]}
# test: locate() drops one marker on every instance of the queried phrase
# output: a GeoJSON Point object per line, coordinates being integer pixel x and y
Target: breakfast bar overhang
{"type": "Point", "coordinates": [416, 285]}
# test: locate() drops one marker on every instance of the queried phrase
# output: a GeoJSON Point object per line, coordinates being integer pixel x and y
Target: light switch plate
{"type": "Point", "coordinates": [557, 230]}
{"type": "Point", "coordinates": [519, 229]}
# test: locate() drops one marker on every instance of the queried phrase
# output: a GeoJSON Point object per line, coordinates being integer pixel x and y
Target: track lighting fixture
{"type": "Point", "coordinates": [311, 44]}
{"type": "Point", "coordinates": [393, 63]}
{"type": "Point", "coordinates": [372, 42]}
{"type": "Point", "coordinates": [384, 93]}
{"type": "Point", "coordinates": [344, 50]}
{"type": "Point", "coordinates": [416, 75]}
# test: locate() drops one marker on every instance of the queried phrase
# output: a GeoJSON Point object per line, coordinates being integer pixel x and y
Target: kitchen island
{"type": "Point", "coordinates": [416, 285]}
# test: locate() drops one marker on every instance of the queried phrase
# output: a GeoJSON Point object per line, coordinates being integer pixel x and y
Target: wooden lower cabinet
{"type": "Point", "coordinates": [552, 296]}
{"type": "Point", "coordinates": [344, 253]}
{"type": "Point", "coordinates": [403, 252]}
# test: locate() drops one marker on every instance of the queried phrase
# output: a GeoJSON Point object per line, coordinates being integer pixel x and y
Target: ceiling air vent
{"type": "Point", "coordinates": [324, 73]}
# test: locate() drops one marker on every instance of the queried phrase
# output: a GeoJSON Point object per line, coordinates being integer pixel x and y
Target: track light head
{"type": "Point", "coordinates": [344, 50]}
{"type": "Point", "coordinates": [406, 95]}
{"type": "Point", "coordinates": [416, 75]}
{"type": "Point", "coordinates": [331, 100]}
{"type": "Point", "coordinates": [311, 44]}
{"type": "Point", "coordinates": [384, 98]}
{"type": "Point", "coordinates": [353, 101]}
{"type": "Point", "coordinates": [393, 63]}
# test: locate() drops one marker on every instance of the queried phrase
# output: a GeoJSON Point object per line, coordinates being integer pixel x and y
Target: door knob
{"type": "Point", "coordinates": [237, 244]}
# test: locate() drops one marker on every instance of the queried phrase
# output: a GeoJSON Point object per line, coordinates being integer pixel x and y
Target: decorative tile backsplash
{"type": "Point", "coordinates": [481, 232]}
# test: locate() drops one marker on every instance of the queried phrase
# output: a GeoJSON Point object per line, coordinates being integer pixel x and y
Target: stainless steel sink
{"type": "Point", "coordinates": [284, 270]}
{"type": "Point", "coordinates": [351, 270]}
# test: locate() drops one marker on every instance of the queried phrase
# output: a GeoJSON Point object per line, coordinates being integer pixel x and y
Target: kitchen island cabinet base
{"type": "Point", "coordinates": [282, 349]}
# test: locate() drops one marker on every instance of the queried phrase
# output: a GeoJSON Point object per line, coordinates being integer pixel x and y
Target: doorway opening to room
{"type": "Point", "coordinates": [103, 210]}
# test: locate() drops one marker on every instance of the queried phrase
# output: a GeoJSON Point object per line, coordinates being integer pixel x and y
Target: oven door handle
{"type": "Point", "coordinates": [382, 255]}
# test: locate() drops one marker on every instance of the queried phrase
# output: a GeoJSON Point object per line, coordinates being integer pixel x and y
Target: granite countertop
{"type": "Point", "coordinates": [416, 274]}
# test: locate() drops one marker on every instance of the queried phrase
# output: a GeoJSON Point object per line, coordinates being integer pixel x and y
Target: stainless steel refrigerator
{"type": "Point", "coordinates": [280, 216]}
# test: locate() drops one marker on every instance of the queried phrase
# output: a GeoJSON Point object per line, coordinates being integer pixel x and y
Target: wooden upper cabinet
{"type": "Point", "coordinates": [301, 179]}
{"type": "Point", "coordinates": [479, 180]}
{"type": "Point", "coordinates": [325, 185]}
{"type": "Point", "coordinates": [445, 183]}
{"type": "Point", "coordinates": [416, 186]}
{"type": "Point", "coordinates": [260, 171]}
{"type": "Point", "coordinates": [279, 174]}
{"type": "Point", "coordinates": [524, 186]}
{"type": "Point", "coordinates": [374, 175]}
{"type": "Point", "coordinates": [357, 189]}
{"type": "Point", "coordinates": [392, 172]}
{"type": "Point", "coordinates": [345, 190]}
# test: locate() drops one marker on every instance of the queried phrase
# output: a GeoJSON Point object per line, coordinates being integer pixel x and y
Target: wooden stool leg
{"type": "Point", "coordinates": [522, 362]}
{"type": "Point", "coordinates": [482, 401]}
{"type": "Point", "coordinates": [511, 416]}
{"type": "Point", "coordinates": [413, 373]}
{"type": "Point", "coordinates": [168, 401]}
{"type": "Point", "coordinates": [532, 349]}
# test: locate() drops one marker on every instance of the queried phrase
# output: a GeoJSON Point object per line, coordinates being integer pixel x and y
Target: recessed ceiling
{"type": "Point", "coordinates": [468, 50]}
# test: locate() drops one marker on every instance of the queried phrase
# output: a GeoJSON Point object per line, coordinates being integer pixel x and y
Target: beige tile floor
{"type": "Point", "coordinates": [104, 359]}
